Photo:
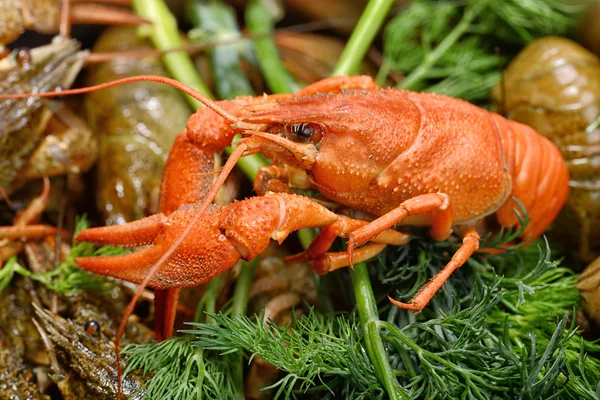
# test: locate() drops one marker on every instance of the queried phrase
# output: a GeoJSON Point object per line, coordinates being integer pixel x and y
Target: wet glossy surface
{"type": "Point", "coordinates": [136, 124]}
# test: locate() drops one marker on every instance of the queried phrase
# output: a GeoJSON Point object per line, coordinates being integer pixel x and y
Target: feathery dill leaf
{"type": "Point", "coordinates": [517, 319]}
{"type": "Point", "coordinates": [181, 371]}
{"type": "Point", "coordinates": [316, 352]}
{"type": "Point", "coordinates": [448, 46]}
{"type": "Point", "coordinates": [67, 278]}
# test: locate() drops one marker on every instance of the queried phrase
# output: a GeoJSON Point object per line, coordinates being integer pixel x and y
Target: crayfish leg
{"type": "Point", "coordinates": [21, 228]}
{"type": "Point", "coordinates": [323, 261]}
{"type": "Point", "coordinates": [165, 310]}
{"type": "Point", "coordinates": [436, 204]}
{"type": "Point", "coordinates": [469, 246]}
{"type": "Point", "coordinates": [332, 261]}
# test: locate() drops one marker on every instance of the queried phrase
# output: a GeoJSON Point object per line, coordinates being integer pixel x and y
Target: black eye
{"type": "Point", "coordinates": [307, 131]}
{"type": "Point", "coordinates": [92, 327]}
{"type": "Point", "coordinates": [303, 130]}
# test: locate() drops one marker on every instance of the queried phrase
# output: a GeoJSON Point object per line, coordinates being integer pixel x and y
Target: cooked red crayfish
{"type": "Point", "coordinates": [403, 157]}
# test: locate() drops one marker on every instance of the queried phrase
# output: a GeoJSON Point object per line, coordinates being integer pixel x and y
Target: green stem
{"type": "Point", "coordinates": [240, 303]}
{"type": "Point", "coordinates": [242, 287]}
{"type": "Point", "coordinates": [418, 74]}
{"type": "Point", "coordinates": [363, 35]}
{"type": "Point", "coordinates": [260, 21]}
{"type": "Point", "coordinates": [306, 236]}
{"type": "Point", "coordinates": [369, 320]}
{"type": "Point", "coordinates": [208, 303]}
{"type": "Point", "coordinates": [165, 35]}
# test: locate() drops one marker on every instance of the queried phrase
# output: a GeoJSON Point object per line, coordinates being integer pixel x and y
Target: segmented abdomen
{"type": "Point", "coordinates": [540, 178]}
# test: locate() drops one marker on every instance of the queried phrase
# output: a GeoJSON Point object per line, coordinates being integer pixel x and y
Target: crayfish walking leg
{"type": "Point", "coordinates": [437, 205]}
{"type": "Point", "coordinates": [22, 228]}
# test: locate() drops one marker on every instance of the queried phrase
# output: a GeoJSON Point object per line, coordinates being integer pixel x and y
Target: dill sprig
{"type": "Point", "coordinates": [181, 372]}
{"type": "Point", "coordinates": [316, 352]}
{"type": "Point", "coordinates": [449, 47]}
{"type": "Point", "coordinates": [67, 278]}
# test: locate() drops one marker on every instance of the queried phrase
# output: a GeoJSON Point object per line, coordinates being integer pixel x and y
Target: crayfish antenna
{"type": "Point", "coordinates": [208, 102]}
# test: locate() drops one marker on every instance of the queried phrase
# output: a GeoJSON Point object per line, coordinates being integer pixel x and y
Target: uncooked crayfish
{"type": "Point", "coordinates": [400, 156]}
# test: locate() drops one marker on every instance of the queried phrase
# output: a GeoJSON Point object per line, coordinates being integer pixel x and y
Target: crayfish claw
{"type": "Point", "coordinates": [131, 234]}
{"type": "Point", "coordinates": [132, 267]}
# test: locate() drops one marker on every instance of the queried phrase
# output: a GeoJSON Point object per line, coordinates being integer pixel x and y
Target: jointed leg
{"type": "Point", "coordinates": [279, 179]}
{"type": "Point", "coordinates": [21, 227]}
{"type": "Point", "coordinates": [469, 246]}
{"type": "Point", "coordinates": [436, 204]}
{"type": "Point", "coordinates": [323, 262]}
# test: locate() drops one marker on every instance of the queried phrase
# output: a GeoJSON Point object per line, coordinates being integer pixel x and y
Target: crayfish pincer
{"type": "Point", "coordinates": [399, 156]}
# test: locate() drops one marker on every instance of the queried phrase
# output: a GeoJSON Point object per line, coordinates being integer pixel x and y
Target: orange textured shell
{"type": "Point", "coordinates": [382, 147]}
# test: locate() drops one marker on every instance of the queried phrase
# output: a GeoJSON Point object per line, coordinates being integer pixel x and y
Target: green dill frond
{"type": "Point", "coordinates": [583, 370]}
{"type": "Point", "coordinates": [181, 371]}
{"type": "Point", "coordinates": [67, 278]}
{"type": "Point", "coordinates": [9, 269]}
{"type": "Point", "coordinates": [449, 47]}
{"type": "Point", "coordinates": [316, 352]}
{"type": "Point", "coordinates": [476, 316]}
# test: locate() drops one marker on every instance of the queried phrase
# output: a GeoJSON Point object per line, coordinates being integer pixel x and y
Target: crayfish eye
{"type": "Point", "coordinates": [92, 327]}
{"type": "Point", "coordinates": [304, 132]}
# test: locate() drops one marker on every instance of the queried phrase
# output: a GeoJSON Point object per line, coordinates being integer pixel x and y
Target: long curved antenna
{"type": "Point", "coordinates": [141, 78]}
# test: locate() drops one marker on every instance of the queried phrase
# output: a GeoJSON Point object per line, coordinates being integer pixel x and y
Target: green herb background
{"type": "Point", "coordinates": [502, 327]}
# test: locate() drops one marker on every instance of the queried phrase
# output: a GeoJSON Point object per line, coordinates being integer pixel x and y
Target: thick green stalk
{"type": "Point", "coordinates": [369, 320]}
{"type": "Point", "coordinates": [260, 21]}
{"type": "Point", "coordinates": [418, 74]}
{"type": "Point", "coordinates": [362, 37]}
{"type": "Point", "coordinates": [208, 303]}
{"type": "Point", "coordinates": [165, 35]}
{"type": "Point", "coordinates": [242, 288]}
